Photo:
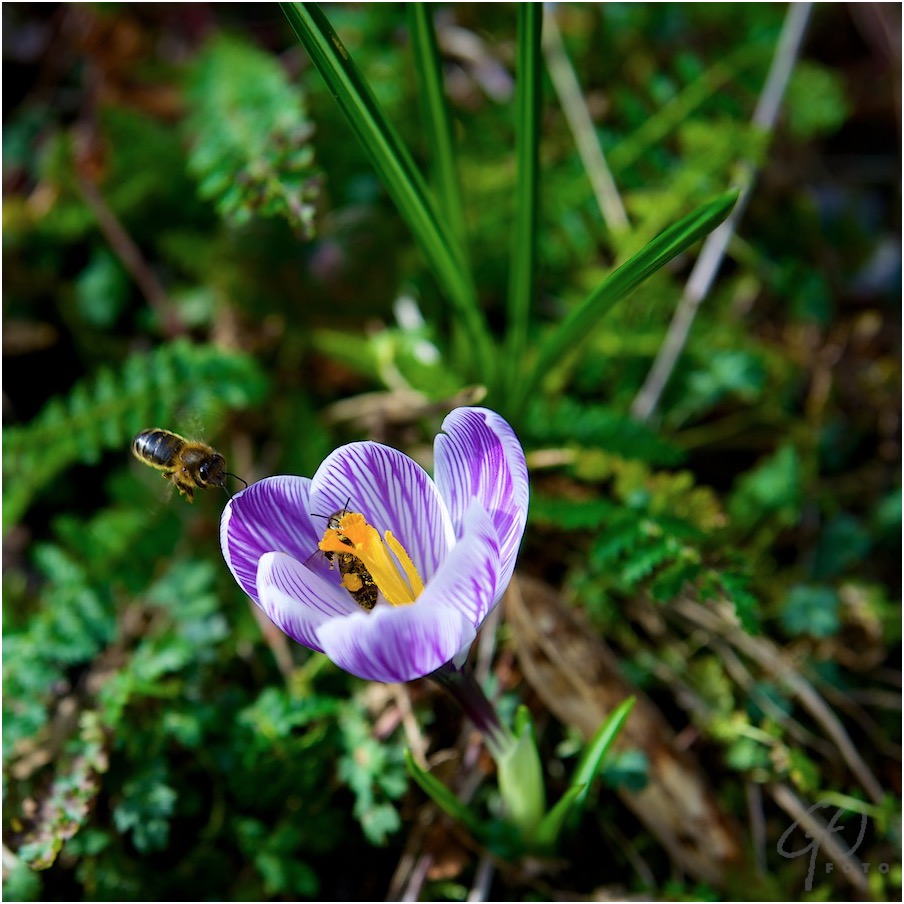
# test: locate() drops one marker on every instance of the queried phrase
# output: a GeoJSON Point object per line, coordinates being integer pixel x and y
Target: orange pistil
{"type": "Point", "coordinates": [356, 537]}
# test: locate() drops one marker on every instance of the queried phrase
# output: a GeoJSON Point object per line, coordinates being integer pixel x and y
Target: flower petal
{"type": "Point", "coordinates": [393, 492]}
{"type": "Point", "coordinates": [468, 579]}
{"type": "Point", "coordinates": [269, 516]}
{"type": "Point", "coordinates": [298, 600]}
{"type": "Point", "coordinates": [396, 643]}
{"type": "Point", "coordinates": [478, 457]}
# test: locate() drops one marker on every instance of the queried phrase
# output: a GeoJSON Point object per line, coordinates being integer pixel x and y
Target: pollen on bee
{"type": "Point", "coordinates": [352, 582]}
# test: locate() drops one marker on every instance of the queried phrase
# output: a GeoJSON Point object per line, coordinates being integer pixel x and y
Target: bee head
{"type": "Point", "coordinates": [212, 471]}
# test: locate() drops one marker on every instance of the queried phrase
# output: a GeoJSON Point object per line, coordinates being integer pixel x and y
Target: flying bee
{"type": "Point", "coordinates": [356, 579]}
{"type": "Point", "coordinates": [187, 464]}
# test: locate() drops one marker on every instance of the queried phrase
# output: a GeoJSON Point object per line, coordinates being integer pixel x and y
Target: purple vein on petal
{"type": "Point", "coordinates": [469, 578]}
{"type": "Point", "coordinates": [271, 515]}
{"type": "Point", "coordinates": [479, 458]}
{"type": "Point", "coordinates": [396, 644]}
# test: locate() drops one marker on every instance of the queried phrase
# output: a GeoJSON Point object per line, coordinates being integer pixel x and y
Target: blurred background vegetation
{"type": "Point", "coordinates": [193, 239]}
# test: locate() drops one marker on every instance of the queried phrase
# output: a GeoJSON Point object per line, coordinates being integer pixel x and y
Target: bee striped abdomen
{"type": "Point", "coordinates": [356, 579]}
{"type": "Point", "coordinates": [157, 448]}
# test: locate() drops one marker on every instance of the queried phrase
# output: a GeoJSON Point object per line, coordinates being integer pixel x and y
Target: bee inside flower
{"type": "Point", "coordinates": [355, 539]}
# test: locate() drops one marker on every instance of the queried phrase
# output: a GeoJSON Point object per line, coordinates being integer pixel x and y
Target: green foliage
{"type": "Point", "coordinates": [811, 610]}
{"type": "Point", "coordinates": [659, 531]}
{"type": "Point", "coordinates": [816, 101]}
{"type": "Point", "coordinates": [251, 137]}
{"type": "Point", "coordinates": [146, 809]}
{"type": "Point", "coordinates": [275, 856]}
{"type": "Point", "coordinates": [567, 421]}
{"type": "Point", "coordinates": [375, 773]}
{"type": "Point", "coordinates": [773, 489]}
{"type": "Point", "coordinates": [67, 806]}
{"type": "Point", "coordinates": [844, 542]}
{"type": "Point", "coordinates": [159, 742]}
{"type": "Point", "coordinates": [628, 769]}
{"type": "Point", "coordinates": [107, 411]}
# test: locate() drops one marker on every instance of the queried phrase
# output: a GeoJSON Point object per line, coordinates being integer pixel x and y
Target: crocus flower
{"type": "Point", "coordinates": [440, 552]}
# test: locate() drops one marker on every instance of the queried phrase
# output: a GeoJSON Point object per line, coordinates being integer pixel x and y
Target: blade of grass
{"type": "Point", "coordinates": [595, 751]}
{"type": "Point", "coordinates": [654, 255]}
{"type": "Point", "coordinates": [397, 171]}
{"type": "Point", "coordinates": [586, 770]}
{"type": "Point", "coordinates": [443, 797]}
{"type": "Point", "coordinates": [522, 269]}
{"type": "Point", "coordinates": [437, 123]}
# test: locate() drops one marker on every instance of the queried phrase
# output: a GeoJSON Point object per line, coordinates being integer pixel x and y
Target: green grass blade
{"type": "Point", "coordinates": [522, 269]}
{"type": "Point", "coordinates": [438, 126]}
{"type": "Point", "coordinates": [396, 169]}
{"type": "Point", "coordinates": [547, 834]}
{"type": "Point", "coordinates": [652, 257]}
{"type": "Point", "coordinates": [443, 797]}
{"type": "Point", "coordinates": [595, 752]}
{"type": "Point", "coordinates": [586, 770]}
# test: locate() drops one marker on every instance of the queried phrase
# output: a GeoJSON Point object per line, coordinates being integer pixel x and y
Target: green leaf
{"type": "Point", "coordinates": [816, 101]}
{"type": "Point", "coordinates": [843, 542]}
{"type": "Point", "coordinates": [437, 125]}
{"type": "Point", "coordinates": [564, 420]}
{"type": "Point", "coordinates": [397, 171]}
{"type": "Point", "coordinates": [575, 328]}
{"type": "Point", "coordinates": [628, 769]}
{"type": "Point", "coordinates": [146, 809]}
{"type": "Point", "coordinates": [654, 131]}
{"type": "Point", "coordinates": [373, 770]}
{"type": "Point", "coordinates": [773, 488]}
{"type": "Point", "coordinates": [522, 269]}
{"type": "Point", "coordinates": [598, 746]}
{"type": "Point", "coordinates": [520, 776]}
{"type": "Point", "coordinates": [586, 770]}
{"type": "Point", "coordinates": [443, 797]}
{"type": "Point", "coordinates": [554, 821]}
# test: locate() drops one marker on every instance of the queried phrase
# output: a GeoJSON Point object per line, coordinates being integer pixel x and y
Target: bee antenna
{"type": "Point", "coordinates": [236, 476]}
{"type": "Point", "coordinates": [318, 515]}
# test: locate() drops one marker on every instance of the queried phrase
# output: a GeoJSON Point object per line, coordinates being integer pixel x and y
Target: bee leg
{"type": "Point", "coordinates": [184, 487]}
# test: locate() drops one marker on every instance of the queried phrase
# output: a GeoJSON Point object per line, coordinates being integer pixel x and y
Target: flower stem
{"type": "Point", "coordinates": [467, 693]}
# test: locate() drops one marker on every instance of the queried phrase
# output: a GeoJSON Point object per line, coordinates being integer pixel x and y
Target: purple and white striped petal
{"type": "Point", "coordinates": [468, 579]}
{"type": "Point", "coordinates": [394, 493]}
{"type": "Point", "coordinates": [297, 600]}
{"type": "Point", "coordinates": [396, 643]}
{"type": "Point", "coordinates": [478, 458]}
{"type": "Point", "coordinates": [269, 516]}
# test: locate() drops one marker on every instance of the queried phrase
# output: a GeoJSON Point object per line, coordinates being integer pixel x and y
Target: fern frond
{"type": "Point", "coordinates": [596, 426]}
{"type": "Point", "coordinates": [643, 562]}
{"type": "Point", "coordinates": [251, 150]}
{"type": "Point", "coordinates": [107, 411]}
